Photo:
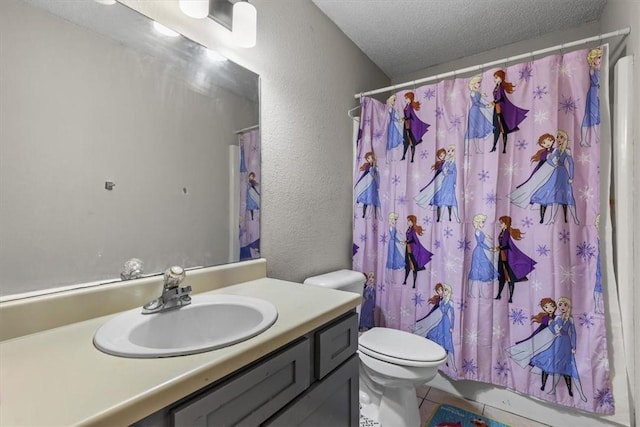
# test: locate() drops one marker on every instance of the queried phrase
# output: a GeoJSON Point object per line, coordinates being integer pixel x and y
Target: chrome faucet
{"type": "Point", "coordinates": [173, 296]}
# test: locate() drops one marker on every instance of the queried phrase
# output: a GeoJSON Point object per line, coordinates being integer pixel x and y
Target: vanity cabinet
{"type": "Point", "coordinates": [312, 381]}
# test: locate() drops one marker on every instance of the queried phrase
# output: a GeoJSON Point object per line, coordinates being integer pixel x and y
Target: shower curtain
{"type": "Point", "coordinates": [476, 221]}
{"type": "Point", "coordinates": [249, 233]}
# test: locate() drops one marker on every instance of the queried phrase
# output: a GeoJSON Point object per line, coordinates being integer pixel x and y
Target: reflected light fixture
{"type": "Point", "coordinates": [165, 31]}
{"type": "Point", "coordinates": [194, 8]}
{"type": "Point", "coordinates": [107, 2]}
{"type": "Point", "coordinates": [245, 18]}
{"type": "Point", "coordinates": [214, 56]}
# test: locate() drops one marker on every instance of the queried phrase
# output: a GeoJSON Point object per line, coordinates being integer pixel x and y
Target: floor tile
{"type": "Point", "coordinates": [509, 418]}
{"type": "Point", "coordinates": [439, 396]}
{"type": "Point", "coordinates": [427, 409]}
{"type": "Point", "coordinates": [422, 390]}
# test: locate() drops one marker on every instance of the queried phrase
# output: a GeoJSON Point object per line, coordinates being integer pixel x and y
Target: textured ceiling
{"type": "Point", "coordinates": [403, 36]}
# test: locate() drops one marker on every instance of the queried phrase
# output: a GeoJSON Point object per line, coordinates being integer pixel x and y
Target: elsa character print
{"type": "Point", "coordinates": [524, 349]}
{"type": "Point", "coordinates": [482, 270]}
{"type": "Point", "coordinates": [395, 257]}
{"type": "Point", "coordinates": [479, 122]}
{"type": "Point", "coordinates": [426, 194]}
{"type": "Point", "coordinates": [559, 358]}
{"type": "Point", "coordinates": [591, 118]}
{"type": "Point", "coordinates": [253, 195]}
{"type": "Point", "coordinates": [368, 303]}
{"type": "Point", "coordinates": [558, 190]}
{"type": "Point", "coordinates": [442, 332]}
{"type": "Point", "coordinates": [445, 195]}
{"type": "Point", "coordinates": [366, 188]}
{"type": "Point", "coordinates": [414, 128]}
{"type": "Point", "coordinates": [394, 128]}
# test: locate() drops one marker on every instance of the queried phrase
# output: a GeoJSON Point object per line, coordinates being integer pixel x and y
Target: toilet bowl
{"type": "Point", "coordinates": [392, 362]}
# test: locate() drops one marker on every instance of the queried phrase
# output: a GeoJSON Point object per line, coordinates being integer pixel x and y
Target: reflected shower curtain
{"type": "Point", "coordinates": [476, 215]}
{"type": "Point", "coordinates": [249, 142]}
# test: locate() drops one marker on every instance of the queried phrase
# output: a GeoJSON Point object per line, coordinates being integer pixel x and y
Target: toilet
{"type": "Point", "coordinates": [392, 362]}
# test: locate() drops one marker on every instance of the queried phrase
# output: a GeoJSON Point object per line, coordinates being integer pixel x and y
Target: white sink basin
{"type": "Point", "coordinates": [208, 323]}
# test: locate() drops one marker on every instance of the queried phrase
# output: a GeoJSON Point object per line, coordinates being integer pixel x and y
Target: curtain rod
{"type": "Point", "coordinates": [247, 129]}
{"type": "Point", "coordinates": [598, 38]}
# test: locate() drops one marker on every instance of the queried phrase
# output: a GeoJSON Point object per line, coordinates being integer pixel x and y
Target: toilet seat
{"type": "Point", "coordinates": [401, 348]}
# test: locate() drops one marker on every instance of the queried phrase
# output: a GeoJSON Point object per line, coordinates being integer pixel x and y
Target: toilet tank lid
{"type": "Point", "coordinates": [340, 279]}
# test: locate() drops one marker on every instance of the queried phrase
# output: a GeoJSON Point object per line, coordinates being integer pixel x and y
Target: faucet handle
{"type": "Point", "coordinates": [173, 277]}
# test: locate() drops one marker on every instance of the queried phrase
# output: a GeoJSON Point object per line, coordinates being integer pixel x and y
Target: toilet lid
{"type": "Point", "coordinates": [398, 346]}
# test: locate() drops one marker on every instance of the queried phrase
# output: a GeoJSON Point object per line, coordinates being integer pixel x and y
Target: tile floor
{"type": "Point", "coordinates": [429, 398]}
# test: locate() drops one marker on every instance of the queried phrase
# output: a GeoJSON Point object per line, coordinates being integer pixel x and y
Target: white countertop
{"type": "Point", "coordinates": [58, 378]}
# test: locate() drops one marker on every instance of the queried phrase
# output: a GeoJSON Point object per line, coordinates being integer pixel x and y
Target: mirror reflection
{"type": "Point", "coordinates": [119, 142]}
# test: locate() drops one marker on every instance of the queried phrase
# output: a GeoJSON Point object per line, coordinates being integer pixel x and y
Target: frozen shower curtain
{"type": "Point", "coordinates": [476, 221]}
{"type": "Point", "coordinates": [249, 233]}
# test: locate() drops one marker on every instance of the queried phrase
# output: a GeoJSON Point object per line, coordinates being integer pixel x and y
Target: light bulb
{"type": "Point", "coordinates": [164, 30]}
{"type": "Point", "coordinates": [194, 8]}
{"type": "Point", "coordinates": [107, 2]}
{"type": "Point", "coordinates": [244, 24]}
{"type": "Point", "coordinates": [214, 56]}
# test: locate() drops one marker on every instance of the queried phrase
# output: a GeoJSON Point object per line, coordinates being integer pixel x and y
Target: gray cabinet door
{"type": "Point", "coordinates": [252, 396]}
{"type": "Point", "coordinates": [335, 343]}
{"type": "Point", "coordinates": [332, 402]}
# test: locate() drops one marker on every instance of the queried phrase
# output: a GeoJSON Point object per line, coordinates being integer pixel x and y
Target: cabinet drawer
{"type": "Point", "coordinates": [250, 397]}
{"type": "Point", "coordinates": [330, 402]}
{"type": "Point", "coordinates": [335, 343]}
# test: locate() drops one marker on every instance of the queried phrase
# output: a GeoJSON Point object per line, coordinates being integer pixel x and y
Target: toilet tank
{"type": "Point", "coordinates": [343, 280]}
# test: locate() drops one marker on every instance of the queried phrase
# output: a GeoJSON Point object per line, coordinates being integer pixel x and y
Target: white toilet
{"type": "Point", "coordinates": [392, 362]}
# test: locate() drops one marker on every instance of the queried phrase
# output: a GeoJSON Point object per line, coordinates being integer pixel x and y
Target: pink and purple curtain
{"type": "Point", "coordinates": [476, 209]}
{"type": "Point", "coordinates": [249, 194]}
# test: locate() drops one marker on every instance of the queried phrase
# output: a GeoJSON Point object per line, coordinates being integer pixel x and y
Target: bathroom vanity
{"type": "Point", "coordinates": [300, 371]}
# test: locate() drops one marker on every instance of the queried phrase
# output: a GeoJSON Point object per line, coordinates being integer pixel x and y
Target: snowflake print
{"type": "Point", "coordinates": [404, 311]}
{"type": "Point", "coordinates": [378, 135]}
{"type": "Point", "coordinates": [455, 122]}
{"type": "Point", "coordinates": [536, 285]}
{"type": "Point", "coordinates": [437, 244]}
{"type": "Point", "coordinates": [502, 368]}
{"type": "Point", "coordinates": [526, 72]}
{"type": "Point", "coordinates": [395, 180]}
{"type": "Point", "coordinates": [467, 194]}
{"type": "Point", "coordinates": [464, 245]}
{"type": "Point", "coordinates": [498, 332]}
{"type": "Point", "coordinates": [527, 222]}
{"type": "Point", "coordinates": [517, 316]}
{"type": "Point", "coordinates": [586, 320]}
{"type": "Point", "coordinates": [585, 251]}
{"type": "Point", "coordinates": [363, 238]}
{"type": "Point", "coordinates": [429, 93]}
{"type": "Point", "coordinates": [374, 228]}
{"type": "Point", "coordinates": [510, 169]}
{"type": "Point", "coordinates": [367, 122]}
{"type": "Point", "coordinates": [452, 95]}
{"type": "Point", "coordinates": [452, 264]}
{"type": "Point", "coordinates": [484, 175]}
{"type": "Point", "coordinates": [402, 200]}
{"type": "Point", "coordinates": [541, 116]}
{"type": "Point", "coordinates": [586, 193]}
{"type": "Point", "coordinates": [568, 275]}
{"type": "Point", "coordinates": [462, 305]}
{"type": "Point", "coordinates": [424, 154]}
{"type": "Point", "coordinates": [427, 220]}
{"type": "Point", "coordinates": [417, 299]}
{"type": "Point", "coordinates": [522, 144]}
{"type": "Point", "coordinates": [491, 198]}
{"type": "Point", "coordinates": [448, 232]}
{"type": "Point", "coordinates": [439, 113]}
{"type": "Point", "coordinates": [568, 105]}
{"type": "Point", "coordinates": [604, 398]}
{"type": "Point", "coordinates": [471, 337]}
{"type": "Point", "coordinates": [543, 250]}
{"type": "Point", "coordinates": [565, 70]}
{"type": "Point", "coordinates": [383, 238]}
{"type": "Point", "coordinates": [539, 92]}
{"type": "Point", "coordinates": [564, 236]}
{"type": "Point", "coordinates": [583, 158]}
{"type": "Point", "coordinates": [469, 367]}
{"type": "Point", "coordinates": [381, 287]}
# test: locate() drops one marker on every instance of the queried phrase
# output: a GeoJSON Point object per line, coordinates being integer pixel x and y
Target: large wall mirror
{"type": "Point", "coordinates": [119, 142]}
